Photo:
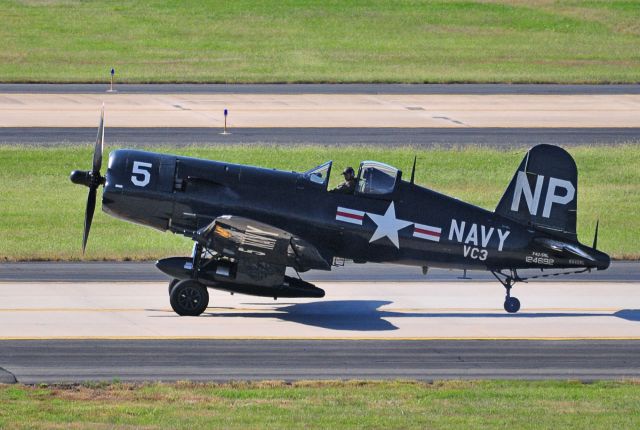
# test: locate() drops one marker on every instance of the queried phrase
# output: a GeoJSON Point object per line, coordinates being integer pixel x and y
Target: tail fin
{"type": "Point", "coordinates": [544, 191]}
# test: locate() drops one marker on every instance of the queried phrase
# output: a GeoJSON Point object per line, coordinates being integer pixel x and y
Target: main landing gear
{"type": "Point", "coordinates": [511, 304]}
{"type": "Point", "coordinates": [188, 297]}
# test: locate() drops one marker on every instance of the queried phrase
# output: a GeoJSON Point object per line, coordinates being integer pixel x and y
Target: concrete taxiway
{"type": "Point", "coordinates": [322, 110]}
{"type": "Point", "coordinates": [366, 114]}
{"type": "Point", "coordinates": [70, 332]}
{"type": "Point", "coordinates": [350, 310]}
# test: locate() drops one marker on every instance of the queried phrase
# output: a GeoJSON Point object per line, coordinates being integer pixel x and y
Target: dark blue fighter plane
{"type": "Point", "coordinates": [249, 223]}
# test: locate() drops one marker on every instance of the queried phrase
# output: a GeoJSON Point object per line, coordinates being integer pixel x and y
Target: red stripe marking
{"type": "Point", "coordinates": [427, 232]}
{"type": "Point", "coordinates": [348, 215]}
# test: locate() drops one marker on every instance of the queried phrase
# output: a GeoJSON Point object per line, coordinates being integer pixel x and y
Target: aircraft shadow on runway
{"type": "Point", "coordinates": [365, 315]}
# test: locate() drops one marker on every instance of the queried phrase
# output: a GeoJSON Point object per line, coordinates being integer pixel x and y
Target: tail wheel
{"type": "Point", "coordinates": [511, 305]}
{"type": "Point", "coordinates": [189, 298]}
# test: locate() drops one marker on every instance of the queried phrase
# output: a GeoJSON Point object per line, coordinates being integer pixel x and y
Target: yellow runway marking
{"type": "Point", "coordinates": [77, 310]}
{"type": "Point", "coordinates": [275, 338]}
{"type": "Point", "coordinates": [524, 310]}
{"type": "Point", "coordinates": [275, 308]}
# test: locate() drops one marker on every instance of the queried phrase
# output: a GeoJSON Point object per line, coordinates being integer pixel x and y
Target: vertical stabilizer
{"type": "Point", "coordinates": [544, 191]}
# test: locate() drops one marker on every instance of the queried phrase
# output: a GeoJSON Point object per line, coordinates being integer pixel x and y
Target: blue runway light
{"type": "Point", "coordinates": [113, 71]}
{"type": "Point", "coordinates": [225, 112]}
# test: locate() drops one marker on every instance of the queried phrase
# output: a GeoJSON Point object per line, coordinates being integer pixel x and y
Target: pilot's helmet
{"type": "Point", "coordinates": [348, 170]}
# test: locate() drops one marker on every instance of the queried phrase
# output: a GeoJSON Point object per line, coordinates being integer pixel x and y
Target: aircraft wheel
{"type": "Point", "coordinates": [172, 283]}
{"type": "Point", "coordinates": [189, 298]}
{"type": "Point", "coordinates": [511, 305]}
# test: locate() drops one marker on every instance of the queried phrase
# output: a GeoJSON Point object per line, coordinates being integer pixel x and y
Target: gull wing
{"type": "Point", "coordinates": [243, 238]}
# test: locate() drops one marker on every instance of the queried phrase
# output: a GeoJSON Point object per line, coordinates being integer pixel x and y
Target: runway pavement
{"type": "Point", "coordinates": [323, 110]}
{"type": "Point", "coordinates": [355, 114]}
{"type": "Point", "coordinates": [478, 89]}
{"type": "Point", "coordinates": [56, 332]}
{"type": "Point", "coordinates": [619, 271]}
{"type": "Point", "coordinates": [350, 310]}
{"type": "Point", "coordinates": [54, 361]}
{"type": "Point", "coordinates": [418, 137]}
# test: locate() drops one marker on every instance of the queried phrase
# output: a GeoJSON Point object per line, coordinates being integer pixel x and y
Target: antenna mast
{"type": "Point", "coordinates": [413, 170]}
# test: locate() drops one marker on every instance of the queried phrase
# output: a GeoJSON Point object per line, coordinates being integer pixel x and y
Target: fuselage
{"type": "Point", "coordinates": [411, 225]}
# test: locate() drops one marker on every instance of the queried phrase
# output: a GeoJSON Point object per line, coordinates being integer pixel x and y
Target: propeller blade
{"type": "Point", "coordinates": [595, 237]}
{"type": "Point", "coordinates": [97, 151]}
{"type": "Point", "coordinates": [88, 216]}
{"type": "Point", "coordinates": [91, 179]}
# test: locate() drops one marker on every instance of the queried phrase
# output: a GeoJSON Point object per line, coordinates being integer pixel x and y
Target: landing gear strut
{"type": "Point", "coordinates": [189, 297]}
{"type": "Point", "coordinates": [511, 304]}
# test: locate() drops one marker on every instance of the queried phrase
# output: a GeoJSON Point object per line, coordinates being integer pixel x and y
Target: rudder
{"type": "Point", "coordinates": [544, 191]}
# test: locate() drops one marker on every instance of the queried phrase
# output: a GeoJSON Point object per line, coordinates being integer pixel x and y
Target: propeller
{"type": "Point", "coordinates": [595, 237]}
{"type": "Point", "coordinates": [91, 179]}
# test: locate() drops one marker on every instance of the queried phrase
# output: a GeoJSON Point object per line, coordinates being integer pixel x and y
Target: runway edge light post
{"type": "Point", "coordinates": [111, 90]}
{"type": "Point", "coordinates": [224, 131]}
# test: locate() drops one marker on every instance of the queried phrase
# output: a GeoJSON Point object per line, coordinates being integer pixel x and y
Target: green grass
{"type": "Point", "coordinates": [320, 41]}
{"type": "Point", "coordinates": [322, 405]}
{"type": "Point", "coordinates": [41, 215]}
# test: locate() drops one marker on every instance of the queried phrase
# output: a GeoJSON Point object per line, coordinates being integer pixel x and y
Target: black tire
{"type": "Point", "coordinates": [189, 298]}
{"type": "Point", "coordinates": [511, 305]}
{"type": "Point", "coordinates": [172, 283]}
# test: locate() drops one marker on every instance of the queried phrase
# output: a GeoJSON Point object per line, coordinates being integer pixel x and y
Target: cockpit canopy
{"type": "Point", "coordinates": [377, 178]}
{"type": "Point", "coordinates": [374, 178]}
{"type": "Point", "coordinates": [319, 175]}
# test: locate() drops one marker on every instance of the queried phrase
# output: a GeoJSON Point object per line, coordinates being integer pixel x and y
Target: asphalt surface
{"type": "Point", "coordinates": [323, 88]}
{"type": "Point", "coordinates": [419, 137]}
{"type": "Point", "coordinates": [69, 359]}
{"type": "Point", "coordinates": [620, 271]}
{"type": "Point", "coordinates": [51, 361]}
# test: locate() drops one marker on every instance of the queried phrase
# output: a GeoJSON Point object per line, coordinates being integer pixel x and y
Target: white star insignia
{"type": "Point", "coordinates": [388, 225]}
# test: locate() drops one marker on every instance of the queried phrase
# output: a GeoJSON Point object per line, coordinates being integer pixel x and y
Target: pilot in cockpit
{"type": "Point", "coordinates": [349, 184]}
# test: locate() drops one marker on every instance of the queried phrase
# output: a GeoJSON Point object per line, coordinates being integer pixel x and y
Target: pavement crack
{"type": "Point", "coordinates": [7, 377]}
{"type": "Point", "coordinates": [446, 118]}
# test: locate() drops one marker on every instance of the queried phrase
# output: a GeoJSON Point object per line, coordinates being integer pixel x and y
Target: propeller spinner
{"type": "Point", "coordinates": [91, 179]}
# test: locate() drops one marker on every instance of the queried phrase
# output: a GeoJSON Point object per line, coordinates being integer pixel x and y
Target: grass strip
{"type": "Point", "coordinates": [320, 41]}
{"type": "Point", "coordinates": [320, 405]}
{"type": "Point", "coordinates": [42, 212]}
